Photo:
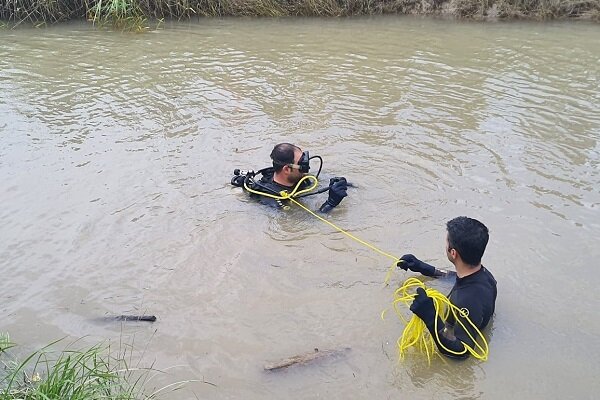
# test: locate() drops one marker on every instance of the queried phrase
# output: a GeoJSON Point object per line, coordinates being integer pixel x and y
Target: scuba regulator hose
{"type": "Point", "coordinates": [320, 165]}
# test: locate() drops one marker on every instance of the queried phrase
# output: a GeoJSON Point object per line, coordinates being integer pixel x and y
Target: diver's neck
{"type": "Point", "coordinates": [279, 179]}
{"type": "Point", "coordinates": [463, 269]}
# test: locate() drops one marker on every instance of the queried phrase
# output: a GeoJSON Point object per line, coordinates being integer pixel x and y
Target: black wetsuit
{"type": "Point", "coordinates": [476, 293]}
{"type": "Point", "coordinates": [266, 184]}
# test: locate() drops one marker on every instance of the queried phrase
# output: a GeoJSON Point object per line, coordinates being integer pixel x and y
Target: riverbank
{"type": "Point", "coordinates": [132, 13]}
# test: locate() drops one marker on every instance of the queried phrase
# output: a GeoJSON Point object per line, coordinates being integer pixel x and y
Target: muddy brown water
{"type": "Point", "coordinates": [115, 157]}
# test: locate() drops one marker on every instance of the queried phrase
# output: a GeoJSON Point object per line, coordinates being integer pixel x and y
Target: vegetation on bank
{"type": "Point", "coordinates": [133, 13]}
{"type": "Point", "coordinates": [90, 374]}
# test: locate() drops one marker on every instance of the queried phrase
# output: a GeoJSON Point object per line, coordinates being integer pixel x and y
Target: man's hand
{"type": "Point", "coordinates": [422, 307]}
{"type": "Point", "coordinates": [337, 190]}
{"type": "Point", "coordinates": [408, 261]}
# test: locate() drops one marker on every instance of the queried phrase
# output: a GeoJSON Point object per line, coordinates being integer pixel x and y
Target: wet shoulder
{"type": "Point", "coordinates": [488, 276]}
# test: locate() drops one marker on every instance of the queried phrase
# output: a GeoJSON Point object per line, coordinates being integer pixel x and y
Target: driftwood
{"type": "Point", "coordinates": [304, 358]}
{"type": "Point", "coordinates": [123, 318]}
{"type": "Point", "coordinates": [147, 318]}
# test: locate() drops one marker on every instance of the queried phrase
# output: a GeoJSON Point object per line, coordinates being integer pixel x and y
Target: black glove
{"type": "Point", "coordinates": [408, 261]}
{"type": "Point", "coordinates": [337, 191]}
{"type": "Point", "coordinates": [238, 180]}
{"type": "Point", "coordinates": [422, 307]}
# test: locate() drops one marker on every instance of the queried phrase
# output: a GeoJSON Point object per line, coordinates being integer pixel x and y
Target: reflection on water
{"type": "Point", "coordinates": [116, 152]}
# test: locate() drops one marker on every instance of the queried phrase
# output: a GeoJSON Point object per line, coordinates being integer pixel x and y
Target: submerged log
{"type": "Point", "coordinates": [147, 318]}
{"type": "Point", "coordinates": [124, 318]}
{"type": "Point", "coordinates": [304, 358]}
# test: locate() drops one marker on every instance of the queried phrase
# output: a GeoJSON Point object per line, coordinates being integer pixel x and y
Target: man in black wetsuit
{"type": "Point", "coordinates": [474, 290]}
{"type": "Point", "coordinates": [290, 164]}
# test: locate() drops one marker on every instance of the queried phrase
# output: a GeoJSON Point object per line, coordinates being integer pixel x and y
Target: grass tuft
{"type": "Point", "coordinates": [5, 342]}
{"type": "Point", "coordinates": [89, 374]}
{"type": "Point", "coordinates": [121, 14]}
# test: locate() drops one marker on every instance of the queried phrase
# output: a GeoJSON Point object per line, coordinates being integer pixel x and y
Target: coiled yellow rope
{"type": "Point", "coordinates": [415, 332]}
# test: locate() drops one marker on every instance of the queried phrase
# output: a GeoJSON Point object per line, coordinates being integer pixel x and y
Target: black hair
{"type": "Point", "coordinates": [468, 237]}
{"type": "Point", "coordinates": [283, 154]}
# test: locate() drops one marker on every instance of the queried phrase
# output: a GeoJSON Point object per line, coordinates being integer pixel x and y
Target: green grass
{"type": "Point", "coordinates": [120, 14]}
{"type": "Point", "coordinates": [5, 342]}
{"type": "Point", "coordinates": [72, 374]}
{"type": "Point", "coordinates": [133, 14]}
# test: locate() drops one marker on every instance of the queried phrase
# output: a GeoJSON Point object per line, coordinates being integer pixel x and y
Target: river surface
{"type": "Point", "coordinates": [116, 152]}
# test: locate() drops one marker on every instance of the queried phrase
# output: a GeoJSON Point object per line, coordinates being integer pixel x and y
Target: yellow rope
{"type": "Point", "coordinates": [283, 195]}
{"type": "Point", "coordinates": [415, 332]}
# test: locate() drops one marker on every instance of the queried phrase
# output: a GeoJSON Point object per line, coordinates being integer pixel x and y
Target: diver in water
{"type": "Point", "coordinates": [474, 290]}
{"type": "Point", "coordinates": [290, 166]}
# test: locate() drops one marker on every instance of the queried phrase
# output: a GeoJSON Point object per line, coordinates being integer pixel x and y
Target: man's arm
{"type": "Point", "coordinates": [451, 345]}
{"type": "Point", "coordinates": [408, 261]}
{"type": "Point", "coordinates": [471, 306]}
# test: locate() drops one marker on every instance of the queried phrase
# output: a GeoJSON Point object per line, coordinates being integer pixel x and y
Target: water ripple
{"type": "Point", "coordinates": [116, 151]}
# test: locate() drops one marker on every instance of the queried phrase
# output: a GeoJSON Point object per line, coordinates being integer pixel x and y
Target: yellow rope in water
{"type": "Point", "coordinates": [416, 334]}
{"type": "Point", "coordinates": [283, 195]}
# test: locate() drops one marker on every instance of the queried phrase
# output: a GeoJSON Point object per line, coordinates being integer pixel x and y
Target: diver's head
{"type": "Point", "coordinates": [466, 240]}
{"type": "Point", "coordinates": [290, 164]}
